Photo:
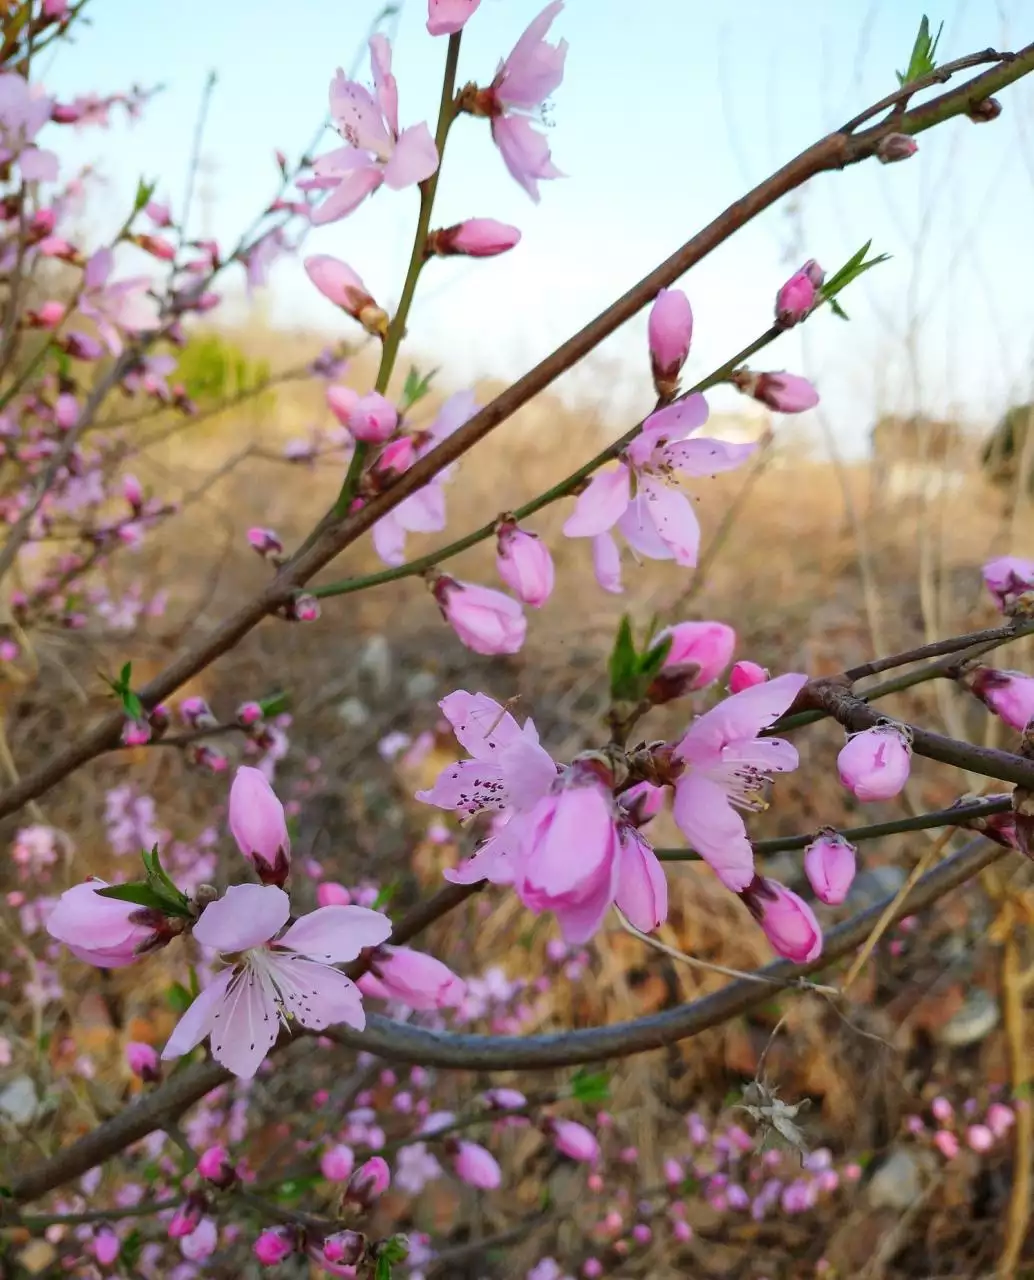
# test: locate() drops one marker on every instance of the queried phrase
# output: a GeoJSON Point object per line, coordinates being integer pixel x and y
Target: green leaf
{"type": "Point", "coordinates": [857, 265]}
{"type": "Point", "coordinates": [921, 63]}
{"type": "Point", "coordinates": [624, 664]}
{"type": "Point", "coordinates": [415, 387]}
{"type": "Point", "coordinates": [139, 893]}
{"type": "Point", "coordinates": [275, 703]}
{"type": "Point", "coordinates": [383, 1269]}
{"type": "Point", "coordinates": [653, 659]}
{"type": "Point", "coordinates": [144, 192]}
{"type": "Point", "coordinates": [178, 998]}
{"type": "Point", "coordinates": [159, 881]}
{"type": "Point", "coordinates": [590, 1086]}
{"type": "Point", "coordinates": [125, 675]}
{"type": "Point", "coordinates": [386, 894]}
{"type": "Point", "coordinates": [838, 310]}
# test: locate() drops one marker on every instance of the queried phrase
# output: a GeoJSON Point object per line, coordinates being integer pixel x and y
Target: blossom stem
{"type": "Point", "coordinates": [959, 815]}
{"type": "Point", "coordinates": [40, 1221]}
{"type": "Point", "coordinates": [397, 327]}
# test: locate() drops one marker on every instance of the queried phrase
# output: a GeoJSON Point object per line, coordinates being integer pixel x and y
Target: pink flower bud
{"type": "Point", "coordinates": [673, 1172]}
{"type": "Point", "coordinates": [592, 1269]}
{"type": "Point", "coordinates": [476, 1166]}
{"type": "Point", "coordinates": [259, 826]}
{"type": "Point", "coordinates": [796, 299]}
{"type": "Point", "coordinates": [641, 1233]}
{"type": "Point", "coordinates": [642, 802]}
{"type": "Point", "coordinates": [341, 401]}
{"type": "Point", "coordinates": [197, 713]}
{"type": "Point", "coordinates": [215, 1166]}
{"type": "Point", "coordinates": [446, 17]}
{"type": "Point", "coordinates": [503, 1099]}
{"type": "Point", "coordinates": [344, 1248]}
{"type": "Point", "coordinates": [104, 931]}
{"type": "Point", "coordinates": [368, 1183]}
{"type": "Point", "coordinates": [142, 1059]}
{"type": "Point", "coordinates": [1000, 1119]}
{"type": "Point", "coordinates": [274, 1245]}
{"type": "Point", "coordinates": [395, 458]}
{"type": "Point", "coordinates": [265, 542]}
{"type": "Point", "coordinates": [486, 621]}
{"type": "Point", "coordinates": [373, 419]}
{"type": "Point", "coordinates": [894, 147]}
{"type": "Point", "coordinates": [132, 492]}
{"type": "Point", "coordinates": [329, 894]}
{"type": "Point", "coordinates": [783, 392]}
{"type": "Point", "coordinates": [158, 213]}
{"type": "Point", "coordinates": [682, 1232]}
{"type": "Point", "coordinates": [574, 1141]}
{"type": "Point", "coordinates": [184, 1221]}
{"type": "Point", "coordinates": [745, 675]}
{"type": "Point", "coordinates": [157, 246]}
{"type": "Point", "coordinates": [80, 346]}
{"type": "Point", "coordinates": [249, 713]}
{"type": "Point", "coordinates": [946, 1143]}
{"type": "Point", "coordinates": [1009, 694]}
{"type": "Point", "coordinates": [475, 238]}
{"type": "Point", "coordinates": [789, 923]}
{"type": "Point", "coordinates": [337, 1163]}
{"type": "Point", "coordinates": [942, 1110]}
{"type": "Point", "coordinates": [670, 332]}
{"type": "Point", "coordinates": [49, 315]}
{"type": "Point", "coordinates": [338, 282]}
{"type": "Point", "coordinates": [979, 1138]}
{"type": "Point", "coordinates": [66, 411]}
{"type": "Point", "coordinates": [524, 564]}
{"type": "Point", "coordinates": [829, 864]}
{"type": "Point", "coordinates": [1008, 577]}
{"type": "Point", "coordinates": [875, 764]}
{"type": "Point", "coordinates": [105, 1246]}
{"type": "Point", "coordinates": [706, 645]}
{"type": "Point", "coordinates": [417, 980]}
{"type": "Point", "coordinates": [304, 608]}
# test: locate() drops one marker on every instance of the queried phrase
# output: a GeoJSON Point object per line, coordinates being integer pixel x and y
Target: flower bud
{"type": "Point", "coordinates": [303, 608]}
{"type": "Point", "coordinates": [1008, 578]}
{"type": "Point", "coordinates": [783, 392]}
{"type": "Point", "coordinates": [745, 675]}
{"type": "Point", "coordinates": [197, 713]}
{"type": "Point", "coordinates": [142, 1059]}
{"type": "Point", "coordinates": [706, 646]}
{"type": "Point", "coordinates": [486, 621]}
{"type": "Point", "coordinates": [337, 1163]}
{"type": "Point", "coordinates": [984, 111]}
{"type": "Point", "coordinates": [265, 542]}
{"type": "Point", "coordinates": [259, 826]}
{"type": "Point", "coordinates": [80, 346]}
{"type": "Point", "coordinates": [573, 1140]}
{"type": "Point", "coordinates": [475, 1165]}
{"type": "Point", "coordinates": [797, 298]}
{"type": "Point", "coordinates": [216, 1167]}
{"type": "Point", "coordinates": [670, 332]}
{"type": "Point", "coordinates": [894, 147]}
{"type": "Point", "coordinates": [524, 564]}
{"type": "Point", "coordinates": [132, 492]}
{"type": "Point", "coordinates": [341, 401]}
{"type": "Point", "coordinates": [157, 246]}
{"type": "Point", "coordinates": [875, 763]}
{"type": "Point", "coordinates": [829, 864]}
{"type": "Point", "coordinates": [503, 1099]}
{"type": "Point", "coordinates": [338, 282]}
{"type": "Point", "coordinates": [48, 316]}
{"type": "Point", "coordinates": [184, 1221]}
{"type": "Point", "coordinates": [106, 932]}
{"type": "Point", "coordinates": [1009, 694]}
{"type": "Point", "coordinates": [415, 979]}
{"type": "Point", "coordinates": [475, 238]}
{"type": "Point", "coordinates": [368, 1183]}
{"type": "Point", "coordinates": [274, 1245]}
{"type": "Point", "coordinates": [158, 213]}
{"type": "Point", "coordinates": [642, 802]}
{"type": "Point", "coordinates": [344, 1248]}
{"type": "Point", "coordinates": [249, 713]}
{"type": "Point", "coordinates": [789, 923]}
{"type": "Point", "coordinates": [373, 419]}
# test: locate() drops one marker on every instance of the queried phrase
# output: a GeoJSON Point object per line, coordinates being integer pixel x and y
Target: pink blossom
{"type": "Point", "coordinates": [423, 511]}
{"type": "Point", "coordinates": [369, 1182]}
{"type": "Point", "coordinates": [789, 923]}
{"type": "Point", "coordinates": [874, 764]}
{"type": "Point", "coordinates": [330, 894]}
{"type": "Point", "coordinates": [341, 401]}
{"type": "Point", "coordinates": [185, 1219]}
{"type": "Point", "coordinates": [259, 826]}
{"type": "Point", "coordinates": [106, 1246]}
{"type": "Point", "coordinates": [606, 563]}
{"type": "Point", "coordinates": [485, 620]}
{"type": "Point", "coordinates": [1008, 577]}
{"type": "Point", "coordinates": [375, 150]}
{"type": "Point", "coordinates": [525, 79]}
{"type": "Point", "coordinates": [1009, 694]}
{"type": "Point", "coordinates": [121, 307]}
{"type": "Point", "coordinates": [1000, 1119]}
{"type": "Point", "coordinates": [829, 864]}
{"type": "Point", "coordinates": [274, 1245]}
{"type": "Point", "coordinates": [797, 298]}
{"type": "Point", "coordinates": [706, 645]}
{"type": "Point", "coordinates": [103, 931]}
{"type": "Point", "coordinates": [942, 1110]}
{"type": "Point", "coordinates": [642, 802]}
{"type": "Point", "coordinates": [249, 714]}
{"type": "Point", "coordinates": [202, 1241]}
{"type": "Point", "coordinates": [275, 973]}
{"type": "Point", "coordinates": [215, 1166]}
{"type": "Point", "coordinates": [947, 1143]}
{"type": "Point", "coordinates": [670, 332]}
{"type": "Point", "coordinates": [637, 496]}
{"type": "Point", "coordinates": [642, 888]}
{"type": "Point", "coordinates": [158, 213]}
{"type": "Point", "coordinates": [503, 1099]}
{"type": "Point", "coordinates": [24, 110]}
{"type": "Point", "coordinates": [574, 1141]}
{"type": "Point", "coordinates": [340, 284]}
{"type": "Point", "coordinates": [727, 767]}
{"type": "Point", "coordinates": [373, 419]}
{"type": "Point", "coordinates": [783, 392]}
{"type": "Point", "coordinates": [744, 675]}
{"type": "Point", "coordinates": [476, 1166]}
{"type": "Point", "coordinates": [265, 542]}
{"type": "Point", "coordinates": [142, 1059]}
{"type": "Point", "coordinates": [417, 980]}
{"type": "Point", "coordinates": [979, 1138]}
{"type": "Point", "coordinates": [475, 238]}
{"type": "Point", "coordinates": [446, 17]}
{"type": "Point", "coordinates": [337, 1163]}
{"type": "Point", "coordinates": [345, 1248]}
{"type": "Point", "coordinates": [524, 564]}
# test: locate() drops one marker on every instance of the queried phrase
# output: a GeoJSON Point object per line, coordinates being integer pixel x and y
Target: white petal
{"type": "Point", "coordinates": [247, 915]}
{"type": "Point", "coordinates": [333, 934]}
{"type": "Point", "coordinates": [197, 1022]}
{"type": "Point", "coordinates": [316, 994]}
{"type": "Point", "coordinates": [246, 1027]}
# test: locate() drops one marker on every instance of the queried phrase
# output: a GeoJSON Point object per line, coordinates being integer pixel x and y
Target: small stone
{"type": "Point", "coordinates": [421, 684]}
{"type": "Point", "coordinates": [19, 1101]}
{"type": "Point", "coordinates": [974, 1022]}
{"type": "Point", "coordinates": [37, 1256]}
{"type": "Point", "coordinates": [354, 713]}
{"type": "Point", "coordinates": [896, 1184]}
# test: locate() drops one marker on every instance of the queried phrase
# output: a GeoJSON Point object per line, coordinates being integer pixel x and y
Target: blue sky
{"type": "Point", "coordinates": [668, 111]}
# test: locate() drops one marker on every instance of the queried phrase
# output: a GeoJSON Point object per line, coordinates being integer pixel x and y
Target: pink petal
{"type": "Point", "coordinates": [389, 539]}
{"type": "Point", "coordinates": [316, 994]}
{"type": "Point", "coordinates": [525, 153]}
{"type": "Point", "coordinates": [414, 158]}
{"type": "Point", "coordinates": [356, 115]}
{"type": "Point", "coordinates": [384, 82]}
{"type": "Point", "coordinates": [673, 422]}
{"type": "Point", "coordinates": [197, 1022]}
{"type": "Point", "coordinates": [455, 789]}
{"type": "Point", "coordinates": [446, 17]}
{"type": "Point", "coordinates": [606, 563]}
{"type": "Point", "coordinates": [714, 828]}
{"type": "Point", "coordinates": [246, 1027]}
{"type": "Point", "coordinates": [529, 772]}
{"type": "Point", "coordinates": [496, 860]}
{"type": "Point", "coordinates": [533, 69]}
{"type": "Point", "coordinates": [601, 505]}
{"type": "Point", "coordinates": [336, 934]}
{"type": "Point", "coordinates": [743, 715]}
{"type": "Point", "coordinates": [348, 195]}
{"type": "Point", "coordinates": [247, 915]}
{"type": "Point", "coordinates": [705, 456]}
{"type": "Point", "coordinates": [642, 888]}
{"type": "Point", "coordinates": [98, 268]}
{"type": "Point", "coordinates": [480, 724]}
{"type": "Point", "coordinates": [423, 511]}
{"type": "Point", "coordinates": [37, 165]}
{"type": "Point", "coordinates": [579, 921]}
{"type": "Point", "coordinates": [639, 531]}
{"type": "Point", "coordinates": [676, 521]}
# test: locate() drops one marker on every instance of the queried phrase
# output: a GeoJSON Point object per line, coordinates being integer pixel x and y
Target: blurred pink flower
{"type": "Point", "coordinates": [1008, 577]}
{"type": "Point", "coordinates": [476, 1166]}
{"type": "Point", "coordinates": [446, 17]}
{"type": "Point", "coordinates": [789, 923]}
{"type": "Point", "coordinates": [744, 675]}
{"type": "Point", "coordinates": [123, 306]}
{"type": "Point", "coordinates": [274, 1245]}
{"type": "Point", "coordinates": [574, 1140]}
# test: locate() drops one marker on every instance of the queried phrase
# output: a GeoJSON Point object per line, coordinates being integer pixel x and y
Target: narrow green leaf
{"type": "Point", "coordinates": [838, 310]}
{"type": "Point", "coordinates": [624, 663]}
{"type": "Point", "coordinates": [653, 659]}
{"type": "Point", "coordinates": [386, 894]}
{"type": "Point", "coordinates": [590, 1086]}
{"type": "Point", "coordinates": [144, 192]}
{"type": "Point", "coordinates": [275, 703]}
{"type": "Point", "coordinates": [178, 998]}
{"type": "Point", "coordinates": [922, 60]}
{"type": "Point", "coordinates": [140, 894]}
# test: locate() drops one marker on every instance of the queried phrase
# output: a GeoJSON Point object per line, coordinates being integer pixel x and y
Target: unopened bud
{"type": "Point", "coordinates": [894, 147]}
{"type": "Point", "coordinates": [368, 1183]}
{"type": "Point", "coordinates": [345, 1248]}
{"type": "Point", "coordinates": [984, 111]}
{"type": "Point", "coordinates": [216, 1167]}
{"type": "Point", "coordinates": [265, 542]}
{"type": "Point", "coordinates": [142, 1059]}
{"type": "Point", "coordinates": [302, 608]}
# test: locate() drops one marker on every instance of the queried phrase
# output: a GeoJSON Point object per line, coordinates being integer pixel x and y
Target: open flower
{"type": "Point", "coordinates": [638, 496]}
{"type": "Point", "coordinates": [121, 307]}
{"type": "Point", "coordinates": [727, 769]}
{"type": "Point", "coordinates": [24, 110]}
{"type": "Point", "coordinates": [276, 977]}
{"type": "Point", "coordinates": [375, 150]}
